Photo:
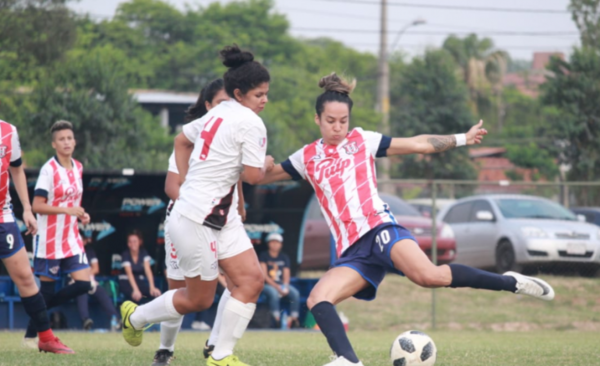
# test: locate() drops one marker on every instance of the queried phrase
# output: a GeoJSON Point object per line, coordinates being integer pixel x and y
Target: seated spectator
{"type": "Point", "coordinates": [276, 266]}
{"type": "Point", "coordinates": [98, 292]}
{"type": "Point", "coordinates": [137, 280]}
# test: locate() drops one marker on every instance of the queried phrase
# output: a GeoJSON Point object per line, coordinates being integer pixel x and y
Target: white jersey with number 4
{"type": "Point", "coordinates": [226, 138]}
{"type": "Point", "coordinates": [345, 183]}
{"type": "Point", "coordinates": [58, 235]}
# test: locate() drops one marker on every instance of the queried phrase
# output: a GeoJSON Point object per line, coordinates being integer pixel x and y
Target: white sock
{"type": "Point", "coordinates": [168, 333]}
{"type": "Point", "coordinates": [214, 334]}
{"type": "Point", "coordinates": [158, 310]}
{"type": "Point", "coordinates": [236, 318]}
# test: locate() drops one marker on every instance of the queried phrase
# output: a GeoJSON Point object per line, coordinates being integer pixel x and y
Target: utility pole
{"type": "Point", "coordinates": [383, 95]}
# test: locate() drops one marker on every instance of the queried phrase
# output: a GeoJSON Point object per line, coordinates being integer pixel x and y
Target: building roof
{"type": "Point", "coordinates": [541, 59]}
{"type": "Point", "coordinates": [153, 96]}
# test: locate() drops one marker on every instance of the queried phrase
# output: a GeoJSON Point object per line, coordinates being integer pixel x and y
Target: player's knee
{"type": "Point", "coordinates": [256, 282]}
{"type": "Point", "coordinates": [314, 298]}
{"type": "Point", "coordinates": [428, 279]}
{"type": "Point", "coordinates": [24, 280]}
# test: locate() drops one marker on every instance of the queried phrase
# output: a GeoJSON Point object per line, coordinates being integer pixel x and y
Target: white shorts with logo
{"type": "Point", "coordinates": [174, 272]}
{"type": "Point", "coordinates": [199, 248]}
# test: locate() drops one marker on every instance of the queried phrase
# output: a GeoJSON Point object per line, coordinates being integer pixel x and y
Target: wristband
{"type": "Point", "coordinates": [461, 139]}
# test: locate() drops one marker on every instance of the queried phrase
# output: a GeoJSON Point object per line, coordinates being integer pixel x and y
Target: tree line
{"type": "Point", "coordinates": [55, 64]}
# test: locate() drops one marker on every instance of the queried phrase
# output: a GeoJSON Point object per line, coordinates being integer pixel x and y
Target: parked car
{"type": "Point", "coordinates": [425, 205]}
{"type": "Point", "coordinates": [588, 214]}
{"type": "Point", "coordinates": [317, 249]}
{"type": "Point", "coordinates": [516, 232]}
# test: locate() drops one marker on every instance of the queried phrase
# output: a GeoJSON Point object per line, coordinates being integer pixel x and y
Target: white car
{"type": "Point", "coordinates": [515, 232]}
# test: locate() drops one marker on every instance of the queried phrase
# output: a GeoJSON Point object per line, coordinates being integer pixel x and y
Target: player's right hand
{"type": "Point", "coordinates": [75, 211]}
{"type": "Point", "coordinates": [269, 163]}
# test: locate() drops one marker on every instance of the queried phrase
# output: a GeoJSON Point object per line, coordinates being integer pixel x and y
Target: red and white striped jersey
{"type": "Point", "coordinates": [10, 155]}
{"type": "Point", "coordinates": [58, 235]}
{"type": "Point", "coordinates": [345, 183]}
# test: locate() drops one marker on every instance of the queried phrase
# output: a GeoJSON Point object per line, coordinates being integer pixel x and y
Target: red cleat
{"type": "Point", "coordinates": [54, 346]}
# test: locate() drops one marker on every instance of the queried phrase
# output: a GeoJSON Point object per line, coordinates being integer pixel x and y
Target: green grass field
{"type": "Point", "coordinates": [463, 348]}
{"type": "Point", "coordinates": [477, 328]}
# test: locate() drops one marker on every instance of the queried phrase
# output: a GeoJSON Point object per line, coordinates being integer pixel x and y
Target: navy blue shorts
{"type": "Point", "coordinates": [10, 239]}
{"type": "Point", "coordinates": [55, 268]}
{"type": "Point", "coordinates": [370, 256]}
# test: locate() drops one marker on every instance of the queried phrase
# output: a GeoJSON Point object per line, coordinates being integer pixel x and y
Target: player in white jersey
{"type": "Point", "coordinates": [210, 96]}
{"type": "Point", "coordinates": [58, 248]}
{"type": "Point", "coordinates": [212, 154]}
{"type": "Point", "coordinates": [340, 167]}
{"type": "Point", "coordinates": [12, 250]}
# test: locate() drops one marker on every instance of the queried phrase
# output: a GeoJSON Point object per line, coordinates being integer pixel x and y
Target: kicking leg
{"type": "Point", "coordinates": [335, 286]}
{"type": "Point", "coordinates": [410, 259]}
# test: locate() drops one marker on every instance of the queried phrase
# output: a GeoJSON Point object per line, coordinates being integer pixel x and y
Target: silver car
{"type": "Point", "coordinates": [515, 232]}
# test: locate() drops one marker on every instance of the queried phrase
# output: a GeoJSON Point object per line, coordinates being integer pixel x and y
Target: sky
{"type": "Point", "coordinates": [356, 22]}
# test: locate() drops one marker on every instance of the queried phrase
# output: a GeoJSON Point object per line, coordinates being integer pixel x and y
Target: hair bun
{"type": "Point", "coordinates": [233, 56]}
{"type": "Point", "coordinates": [334, 83]}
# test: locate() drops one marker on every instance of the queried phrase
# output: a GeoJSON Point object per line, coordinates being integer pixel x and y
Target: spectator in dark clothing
{"type": "Point", "coordinates": [97, 292]}
{"type": "Point", "coordinates": [137, 280]}
{"type": "Point", "coordinates": [276, 266]}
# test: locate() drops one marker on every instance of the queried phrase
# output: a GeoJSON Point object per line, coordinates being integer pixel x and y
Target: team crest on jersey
{"type": "Point", "coordinates": [351, 148]}
{"type": "Point", "coordinates": [3, 150]}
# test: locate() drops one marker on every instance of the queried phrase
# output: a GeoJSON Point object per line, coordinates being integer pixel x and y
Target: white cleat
{"type": "Point", "coordinates": [30, 343]}
{"type": "Point", "coordinates": [341, 361]}
{"type": "Point", "coordinates": [532, 286]}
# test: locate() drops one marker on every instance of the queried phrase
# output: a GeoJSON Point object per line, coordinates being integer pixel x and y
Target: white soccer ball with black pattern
{"type": "Point", "coordinates": [413, 348]}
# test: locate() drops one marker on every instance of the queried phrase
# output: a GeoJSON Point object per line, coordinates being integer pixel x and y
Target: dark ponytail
{"type": "Point", "coordinates": [244, 73]}
{"type": "Point", "coordinates": [336, 90]}
{"type": "Point", "coordinates": [207, 94]}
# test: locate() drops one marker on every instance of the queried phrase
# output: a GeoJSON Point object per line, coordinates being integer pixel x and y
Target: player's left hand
{"type": "Point", "coordinates": [30, 222]}
{"type": "Point", "coordinates": [242, 212]}
{"type": "Point", "coordinates": [85, 219]}
{"type": "Point", "coordinates": [476, 133]}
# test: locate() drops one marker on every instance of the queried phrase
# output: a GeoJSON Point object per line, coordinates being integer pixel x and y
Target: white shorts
{"type": "Point", "coordinates": [174, 272]}
{"type": "Point", "coordinates": [199, 247]}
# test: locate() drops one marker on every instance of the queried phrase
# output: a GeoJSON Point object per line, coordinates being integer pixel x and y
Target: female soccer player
{"type": "Point", "coordinates": [58, 248]}
{"type": "Point", "coordinates": [212, 153]}
{"type": "Point", "coordinates": [210, 96]}
{"type": "Point", "coordinates": [12, 250]}
{"type": "Point", "coordinates": [340, 167]}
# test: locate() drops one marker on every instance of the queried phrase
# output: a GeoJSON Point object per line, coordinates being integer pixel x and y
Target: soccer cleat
{"type": "Point", "coordinates": [54, 346]}
{"type": "Point", "coordinates": [532, 286]}
{"type": "Point", "coordinates": [341, 361]}
{"type": "Point", "coordinates": [30, 343]}
{"type": "Point", "coordinates": [208, 349]}
{"type": "Point", "coordinates": [131, 335]}
{"type": "Point", "coordinates": [163, 357]}
{"type": "Point", "coordinates": [227, 361]}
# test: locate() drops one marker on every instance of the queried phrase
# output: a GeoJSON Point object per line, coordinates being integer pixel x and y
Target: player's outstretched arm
{"type": "Point", "coordinates": [253, 175]}
{"type": "Point", "coordinates": [276, 174]}
{"type": "Point", "coordinates": [429, 144]}
{"type": "Point", "coordinates": [20, 181]}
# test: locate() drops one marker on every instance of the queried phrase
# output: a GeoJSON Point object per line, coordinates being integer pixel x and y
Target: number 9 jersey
{"type": "Point", "coordinates": [228, 137]}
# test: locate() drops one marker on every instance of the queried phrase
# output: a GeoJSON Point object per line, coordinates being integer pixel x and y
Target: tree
{"type": "Point", "coordinates": [574, 90]}
{"type": "Point", "coordinates": [586, 14]}
{"type": "Point", "coordinates": [430, 99]}
{"type": "Point", "coordinates": [112, 131]}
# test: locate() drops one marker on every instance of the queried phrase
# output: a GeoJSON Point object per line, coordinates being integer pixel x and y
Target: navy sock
{"type": "Point", "coordinates": [47, 290]}
{"type": "Point", "coordinates": [330, 324]}
{"type": "Point", "coordinates": [35, 307]}
{"type": "Point", "coordinates": [464, 276]}
{"type": "Point", "coordinates": [83, 307]}
{"type": "Point", "coordinates": [69, 292]}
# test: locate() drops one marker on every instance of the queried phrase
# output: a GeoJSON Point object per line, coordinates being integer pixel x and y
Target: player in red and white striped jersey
{"type": "Point", "coordinates": [58, 248]}
{"type": "Point", "coordinates": [12, 250]}
{"type": "Point", "coordinates": [341, 168]}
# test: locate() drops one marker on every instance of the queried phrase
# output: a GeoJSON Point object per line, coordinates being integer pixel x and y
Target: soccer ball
{"type": "Point", "coordinates": [413, 348]}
